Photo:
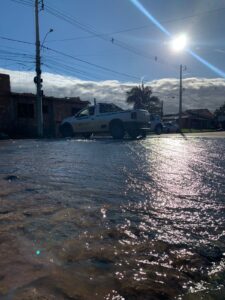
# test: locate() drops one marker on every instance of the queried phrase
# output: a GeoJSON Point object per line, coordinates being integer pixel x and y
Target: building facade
{"type": "Point", "coordinates": [18, 116]}
{"type": "Point", "coordinates": [193, 119]}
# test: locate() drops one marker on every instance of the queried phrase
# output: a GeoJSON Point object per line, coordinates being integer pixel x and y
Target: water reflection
{"type": "Point", "coordinates": [105, 220]}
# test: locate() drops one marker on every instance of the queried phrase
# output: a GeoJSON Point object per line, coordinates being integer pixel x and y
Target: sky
{"type": "Point", "coordinates": [113, 41]}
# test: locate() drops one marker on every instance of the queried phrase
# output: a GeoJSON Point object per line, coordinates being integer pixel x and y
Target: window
{"type": "Point", "coordinates": [25, 110]}
{"type": "Point", "coordinates": [83, 113]}
{"type": "Point", "coordinates": [91, 110]}
{"type": "Point", "coordinates": [107, 108]}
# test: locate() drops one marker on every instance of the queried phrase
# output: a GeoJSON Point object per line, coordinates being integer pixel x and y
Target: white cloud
{"type": "Point", "coordinates": [198, 92]}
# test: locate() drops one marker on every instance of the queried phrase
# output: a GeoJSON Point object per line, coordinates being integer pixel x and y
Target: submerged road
{"type": "Point", "coordinates": [105, 219]}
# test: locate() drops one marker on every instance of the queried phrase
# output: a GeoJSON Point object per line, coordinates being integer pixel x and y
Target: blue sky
{"type": "Point", "coordinates": [132, 52]}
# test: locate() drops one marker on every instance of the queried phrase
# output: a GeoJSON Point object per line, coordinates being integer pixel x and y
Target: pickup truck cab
{"type": "Point", "coordinates": [106, 118]}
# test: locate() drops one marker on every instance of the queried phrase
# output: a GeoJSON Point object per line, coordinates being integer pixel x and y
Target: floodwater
{"type": "Point", "coordinates": [104, 219]}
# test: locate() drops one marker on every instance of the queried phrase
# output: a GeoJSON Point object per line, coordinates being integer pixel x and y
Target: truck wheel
{"type": "Point", "coordinates": [66, 130]}
{"type": "Point", "coordinates": [116, 129]}
{"type": "Point", "coordinates": [143, 133]}
{"type": "Point", "coordinates": [158, 129]}
{"type": "Point", "coordinates": [87, 135]}
{"type": "Point", "coordinates": [133, 133]}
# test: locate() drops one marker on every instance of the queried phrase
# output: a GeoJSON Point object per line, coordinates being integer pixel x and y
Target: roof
{"type": "Point", "coordinates": [174, 117]}
{"type": "Point", "coordinates": [67, 99]}
{"type": "Point", "coordinates": [200, 113]}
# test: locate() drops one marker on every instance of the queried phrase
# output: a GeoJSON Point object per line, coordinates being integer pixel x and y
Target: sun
{"type": "Point", "coordinates": [179, 43]}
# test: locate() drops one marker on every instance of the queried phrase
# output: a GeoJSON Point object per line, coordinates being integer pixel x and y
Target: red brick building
{"type": "Point", "coordinates": [18, 111]}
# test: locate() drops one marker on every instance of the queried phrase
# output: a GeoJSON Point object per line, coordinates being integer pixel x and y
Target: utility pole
{"type": "Point", "coordinates": [38, 79]}
{"type": "Point", "coordinates": [162, 104]}
{"type": "Point", "coordinates": [180, 98]}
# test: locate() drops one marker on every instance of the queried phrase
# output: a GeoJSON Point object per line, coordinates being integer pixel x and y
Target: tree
{"type": "Point", "coordinates": [141, 98]}
{"type": "Point", "coordinates": [220, 111]}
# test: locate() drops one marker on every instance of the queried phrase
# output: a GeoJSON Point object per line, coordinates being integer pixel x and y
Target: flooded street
{"type": "Point", "coordinates": [104, 219]}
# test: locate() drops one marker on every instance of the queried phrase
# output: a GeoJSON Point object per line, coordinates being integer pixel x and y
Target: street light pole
{"type": "Point", "coordinates": [38, 79]}
{"type": "Point", "coordinates": [180, 98]}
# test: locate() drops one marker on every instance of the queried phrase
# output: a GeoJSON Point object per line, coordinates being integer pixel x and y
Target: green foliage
{"type": "Point", "coordinates": [141, 98]}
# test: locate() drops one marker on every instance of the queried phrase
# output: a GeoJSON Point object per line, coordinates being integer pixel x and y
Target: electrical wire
{"type": "Point", "coordinates": [91, 64]}
{"type": "Point", "coordinates": [15, 40]}
{"type": "Point", "coordinates": [23, 2]}
{"type": "Point", "coordinates": [55, 62]}
{"type": "Point", "coordinates": [71, 20]}
{"type": "Point", "coordinates": [88, 28]}
{"type": "Point", "coordinates": [75, 58]}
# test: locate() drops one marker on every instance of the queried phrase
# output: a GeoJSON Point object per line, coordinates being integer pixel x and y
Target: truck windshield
{"type": "Point", "coordinates": [106, 108]}
{"type": "Point", "coordinates": [89, 111]}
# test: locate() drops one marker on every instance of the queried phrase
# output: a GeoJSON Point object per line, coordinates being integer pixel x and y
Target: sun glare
{"type": "Point", "coordinates": [179, 42]}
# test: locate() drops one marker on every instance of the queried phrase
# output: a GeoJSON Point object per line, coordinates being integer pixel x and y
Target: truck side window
{"type": "Point", "coordinates": [91, 110]}
{"type": "Point", "coordinates": [84, 113]}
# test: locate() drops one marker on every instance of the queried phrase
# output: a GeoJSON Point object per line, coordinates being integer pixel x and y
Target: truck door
{"type": "Point", "coordinates": [85, 120]}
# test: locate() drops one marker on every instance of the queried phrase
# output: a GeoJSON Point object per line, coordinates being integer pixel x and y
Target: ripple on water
{"type": "Point", "coordinates": [105, 220]}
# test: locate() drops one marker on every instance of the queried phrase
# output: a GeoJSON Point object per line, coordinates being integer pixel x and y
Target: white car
{"type": "Point", "coordinates": [156, 124]}
{"type": "Point", "coordinates": [170, 127]}
{"type": "Point", "coordinates": [106, 118]}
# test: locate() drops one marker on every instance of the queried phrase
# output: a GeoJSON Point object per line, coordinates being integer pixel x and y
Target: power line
{"type": "Point", "coordinates": [89, 29]}
{"type": "Point", "coordinates": [55, 62]}
{"type": "Point", "coordinates": [15, 40]}
{"type": "Point", "coordinates": [65, 55]}
{"type": "Point", "coordinates": [91, 64]}
{"type": "Point", "coordinates": [147, 26]}
{"type": "Point", "coordinates": [75, 58]}
{"type": "Point", "coordinates": [23, 2]}
{"type": "Point", "coordinates": [67, 71]}
{"type": "Point", "coordinates": [16, 60]}
{"type": "Point", "coordinates": [102, 36]}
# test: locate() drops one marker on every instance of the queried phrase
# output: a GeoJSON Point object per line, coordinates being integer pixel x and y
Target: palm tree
{"type": "Point", "coordinates": [140, 97]}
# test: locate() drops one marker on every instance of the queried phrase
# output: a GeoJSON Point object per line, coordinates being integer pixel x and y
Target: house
{"type": "Point", "coordinates": [18, 111]}
{"type": "Point", "coordinates": [200, 118]}
{"type": "Point", "coordinates": [193, 119]}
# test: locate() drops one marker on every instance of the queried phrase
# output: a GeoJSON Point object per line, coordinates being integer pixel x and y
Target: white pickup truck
{"type": "Point", "coordinates": [106, 118]}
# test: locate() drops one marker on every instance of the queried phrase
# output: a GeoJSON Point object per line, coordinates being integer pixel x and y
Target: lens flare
{"type": "Point", "coordinates": [206, 63]}
{"type": "Point", "coordinates": [179, 43]}
{"type": "Point", "coordinates": [164, 30]}
{"type": "Point", "coordinates": [151, 18]}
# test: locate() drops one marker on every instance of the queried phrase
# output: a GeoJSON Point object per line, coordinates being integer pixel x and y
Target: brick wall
{"type": "Point", "coordinates": [18, 111]}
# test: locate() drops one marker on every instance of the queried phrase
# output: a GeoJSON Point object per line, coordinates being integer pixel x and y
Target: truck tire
{"type": "Point", "coordinates": [116, 129]}
{"type": "Point", "coordinates": [133, 133]}
{"type": "Point", "coordinates": [158, 129]}
{"type": "Point", "coordinates": [66, 130]}
{"type": "Point", "coordinates": [143, 134]}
